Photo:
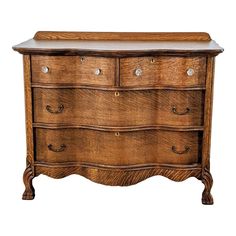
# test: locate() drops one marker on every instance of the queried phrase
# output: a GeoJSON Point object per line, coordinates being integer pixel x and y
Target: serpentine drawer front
{"type": "Point", "coordinates": [165, 71]}
{"type": "Point", "coordinates": [117, 148]}
{"type": "Point", "coordinates": [118, 108]}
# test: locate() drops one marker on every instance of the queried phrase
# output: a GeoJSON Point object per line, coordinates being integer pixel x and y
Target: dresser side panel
{"type": "Point", "coordinates": [28, 110]}
{"type": "Point", "coordinates": [208, 113]}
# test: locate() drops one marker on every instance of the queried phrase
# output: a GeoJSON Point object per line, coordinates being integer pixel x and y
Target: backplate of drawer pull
{"type": "Point", "coordinates": [60, 149]}
{"type": "Point", "coordinates": [174, 149]}
{"type": "Point", "coordinates": [59, 110]}
{"type": "Point", "coordinates": [174, 110]}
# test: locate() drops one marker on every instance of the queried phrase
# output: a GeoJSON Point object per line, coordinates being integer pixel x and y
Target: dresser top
{"type": "Point", "coordinates": [119, 44]}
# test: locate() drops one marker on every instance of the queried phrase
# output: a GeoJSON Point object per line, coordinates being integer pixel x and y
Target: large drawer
{"type": "Point", "coordinates": [163, 71]}
{"type": "Point", "coordinates": [73, 70]}
{"type": "Point", "coordinates": [118, 108]}
{"type": "Point", "coordinates": [117, 148]}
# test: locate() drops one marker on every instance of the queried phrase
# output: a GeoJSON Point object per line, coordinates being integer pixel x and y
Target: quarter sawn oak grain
{"type": "Point", "coordinates": [163, 71]}
{"type": "Point", "coordinates": [117, 148]}
{"type": "Point", "coordinates": [75, 69]}
{"type": "Point", "coordinates": [118, 108]}
{"type": "Point", "coordinates": [123, 108]}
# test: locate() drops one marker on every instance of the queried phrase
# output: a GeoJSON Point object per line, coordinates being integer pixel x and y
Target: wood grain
{"type": "Point", "coordinates": [29, 171]}
{"type": "Point", "coordinates": [113, 148]}
{"type": "Point", "coordinates": [129, 108]}
{"type": "Point", "coordinates": [115, 88]}
{"type": "Point", "coordinates": [208, 114]}
{"type": "Point", "coordinates": [28, 111]}
{"type": "Point", "coordinates": [143, 36]}
{"type": "Point", "coordinates": [117, 128]}
{"type": "Point", "coordinates": [119, 177]}
{"type": "Point", "coordinates": [28, 176]}
{"type": "Point", "coordinates": [162, 71]}
{"type": "Point", "coordinates": [76, 69]}
{"type": "Point", "coordinates": [207, 180]}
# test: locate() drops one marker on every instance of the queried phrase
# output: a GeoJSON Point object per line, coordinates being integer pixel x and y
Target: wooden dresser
{"type": "Point", "coordinates": [118, 108]}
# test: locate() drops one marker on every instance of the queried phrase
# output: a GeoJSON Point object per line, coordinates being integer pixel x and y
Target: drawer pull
{"type": "Point", "coordinates": [98, 71]}
{"type": "Point", "coordinates": [174, 150]}
{"type": "Point", "coordinates": [174, 110]}
{"type": "Point", "coordinates": [59, 110]}
{"type": "Point", "coordinates": [138, 72]}
{"type": "Point", "coordinates": [45, 69]}
{"type": "Point", "coordinates": [190, 72]}
{"type": "Point", "coordinates": [117, 94]}
{"type": "Point", "coordinates": [60, 149]}
{"type": "Point", "coordinates": [82, 59]}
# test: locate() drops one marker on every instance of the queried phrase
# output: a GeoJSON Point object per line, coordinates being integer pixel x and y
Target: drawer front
{"type": "Point", "coordinates": [73, 69]}
{"type": "Point", "coordinates": [113, 148]}
{"type": "Point", "coordinates": [123, 108]}
{"type": "Point", "coordinates": [163, 71]}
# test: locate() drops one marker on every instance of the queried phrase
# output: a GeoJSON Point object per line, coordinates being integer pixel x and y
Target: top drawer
{"type": "Point", "coordinates": [163, 71]}
{"type": "Point", "coordinates": [73, 69]}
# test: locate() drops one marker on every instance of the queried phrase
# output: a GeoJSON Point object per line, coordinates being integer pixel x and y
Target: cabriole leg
{"type": "Point", "coordinates": [29, 189]}
{"type": "Point", "coordinates": [207, 180]}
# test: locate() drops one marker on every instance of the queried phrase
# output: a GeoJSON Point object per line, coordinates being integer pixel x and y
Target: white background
{"type": "Point", "coordinates": [75, 205]}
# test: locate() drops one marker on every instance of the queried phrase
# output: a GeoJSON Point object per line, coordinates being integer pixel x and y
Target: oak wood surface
{"type": "Point", "coordinates": [119, 176]}
{"type": "Point", "coordinates": [76, 69]}
{"type": "Point", "coordinates": [143, 36]}
{"type": "Point", "coordinates": [123, 108]}
{"type": "Point", "coordinates": [118, 128]}
{"type": "Point", "coordinates": [115, 88]}
{"type": "Point", "coordinates": [29, 171]}
{"type": "Point", "coordinates": [112, 148]}
{"type": "Point", "coordinates": [162, 71]}
{"type": "Point", "coordinates": [28, 110]}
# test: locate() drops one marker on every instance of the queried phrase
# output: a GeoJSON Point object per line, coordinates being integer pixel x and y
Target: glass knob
{"type": "Point", "coordinates": [98, 71]}
{"type": "Point", "coordinates": [190, 71]}
{"type": "Point", "coordinates": [138, 72]}
{"type": "Point", "coordinates": [44, 69]}
{"type": "Point", "coordinates": [82, 59]}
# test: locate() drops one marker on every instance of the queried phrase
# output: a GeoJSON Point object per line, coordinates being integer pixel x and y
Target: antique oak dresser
{"type": "Point", "coordinates": [118, 108]}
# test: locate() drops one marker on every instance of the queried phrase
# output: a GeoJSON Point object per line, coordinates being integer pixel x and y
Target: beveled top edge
{"type": "Point", "coordinates": [123, 36]}
{"type": "Point", "coordinates": [116, 48]}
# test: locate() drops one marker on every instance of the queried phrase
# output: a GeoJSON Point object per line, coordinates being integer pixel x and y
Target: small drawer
{"type": "Point", "coordinates": [119, 108]}
{"type": "Point", "coordinates": [73, 70]}
{"type": "Point", "coordinates": [163, 71]}
{"type": "Point", "coordinates": [117, 148]}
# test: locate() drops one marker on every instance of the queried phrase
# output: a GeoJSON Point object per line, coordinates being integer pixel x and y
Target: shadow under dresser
{"type": "Point", "coordinates": [118, 108]}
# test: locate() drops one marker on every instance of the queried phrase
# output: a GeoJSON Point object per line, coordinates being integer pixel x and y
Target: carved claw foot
{"type": "Point", "coordinates": [29, 189]}
{"type": "Point", "coordinates": [207, 180]}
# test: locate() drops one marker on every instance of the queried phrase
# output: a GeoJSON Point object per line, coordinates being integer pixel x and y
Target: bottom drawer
{"type": "Point", "coordinates": [117, 148]}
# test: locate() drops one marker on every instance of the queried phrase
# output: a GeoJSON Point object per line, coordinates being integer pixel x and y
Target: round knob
{"type": "Point", "coordinates": [98, 71]}
{"type": "Point", "coordinates": [117, 94]}
{"type": "Point", "coordinates": [82, 59]}
{"type": "Point", "coordinates": [190, 71]}
{"type": "Point", "coordinates": [44, 69]}
{"type": "Point", "coordinates": [138, 72]}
